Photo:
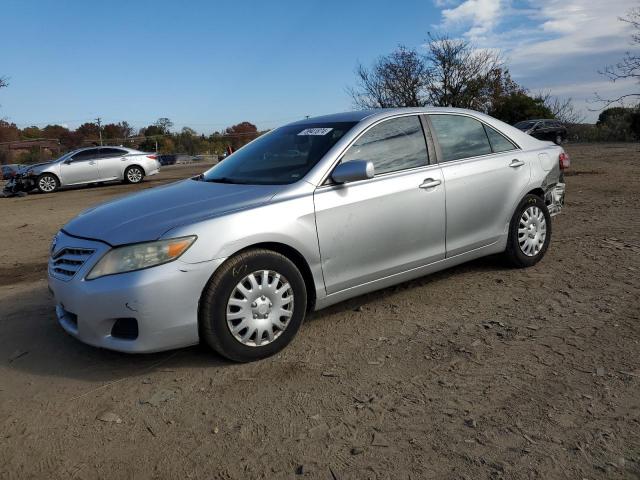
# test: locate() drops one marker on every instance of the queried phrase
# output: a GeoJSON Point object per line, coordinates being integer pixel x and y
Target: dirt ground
{"type": "Point", "coordinates": [478, 372]}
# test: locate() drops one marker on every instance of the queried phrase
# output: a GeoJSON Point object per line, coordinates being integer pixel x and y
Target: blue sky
{"type": "Point", "coordinates": [211, 64]}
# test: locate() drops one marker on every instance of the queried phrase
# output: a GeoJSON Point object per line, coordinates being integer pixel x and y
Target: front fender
{"type": "Point", "coordinates": [290, 223]}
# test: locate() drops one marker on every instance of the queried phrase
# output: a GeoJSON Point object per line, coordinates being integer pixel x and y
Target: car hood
{"type": "Point", "coordinates": [35, 166]}
{"type": "Point", "coordinates": [147, 215]}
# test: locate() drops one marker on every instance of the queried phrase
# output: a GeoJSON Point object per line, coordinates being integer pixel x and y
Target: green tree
{"type": "Point", "coordinates": [89, 131]}
{"type": "Point", "coordinates": [519, 106]}
{"type": "Point", "coordinates": [32, 132]}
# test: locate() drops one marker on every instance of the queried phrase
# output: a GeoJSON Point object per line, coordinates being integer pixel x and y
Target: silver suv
{"type": "Point", "coordinates": [91, 165]}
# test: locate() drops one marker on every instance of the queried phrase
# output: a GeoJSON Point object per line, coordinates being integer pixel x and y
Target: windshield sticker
{"type": "Point", "coordinates": [315, 131]}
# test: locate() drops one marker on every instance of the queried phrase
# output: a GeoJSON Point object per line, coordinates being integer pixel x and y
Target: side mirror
{"type": "Point", "coordinates": [353, 171]}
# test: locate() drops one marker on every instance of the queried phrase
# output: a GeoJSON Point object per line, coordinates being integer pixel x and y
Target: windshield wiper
{"type": "Point", "coordinates": [224, 180]}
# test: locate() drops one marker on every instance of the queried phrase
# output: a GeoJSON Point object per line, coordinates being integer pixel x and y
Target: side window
{"type": "Point", "coordinates": [499, 143]}
{"type": "Point", "coordinates": [84, 155]}
{"type": "Point", "coordinates": [111, 152]}
{"type": "Point", "coordinates": [392, 145]}
{"type": "Point", "coordinates": [460, 137]}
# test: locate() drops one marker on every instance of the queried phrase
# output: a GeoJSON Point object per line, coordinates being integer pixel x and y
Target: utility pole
{"type": "Point", "coordinates": [98, 121]}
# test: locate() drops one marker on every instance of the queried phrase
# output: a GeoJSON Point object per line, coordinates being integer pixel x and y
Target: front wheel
{"type": "Point", "coordinates": [47, 183]}
{"type": "Point", "coordinates": [529, 232]}
{"type": "Point", "coordinates": [133, 174]}
{"type": "Point", "coordinates": [253, 305]}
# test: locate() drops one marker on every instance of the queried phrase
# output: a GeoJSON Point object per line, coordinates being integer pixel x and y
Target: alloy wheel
{"type": "Point", "coordinates": [134, 175]}
{"type": "Point", "coordinates": [47, 184]}
{"type": "Point", "coordinates": [259, 308]}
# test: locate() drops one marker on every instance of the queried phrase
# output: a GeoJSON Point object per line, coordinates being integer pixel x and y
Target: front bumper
{"type": "Point", "coordinates": [555, 199]}
{"type": "Point", "coordinates": [162, 301]}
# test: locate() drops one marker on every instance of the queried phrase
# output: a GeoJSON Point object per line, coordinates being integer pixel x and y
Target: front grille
{"type": "Point", "coordinates": [66, 262]}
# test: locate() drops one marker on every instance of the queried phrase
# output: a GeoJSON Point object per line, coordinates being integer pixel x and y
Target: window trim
{"type": "Point", "coordinates": [439, 149]}
{"type": "Point", "coordinates": [326, 179]}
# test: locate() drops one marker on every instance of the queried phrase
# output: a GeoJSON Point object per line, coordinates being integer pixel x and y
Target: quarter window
{"type": "Point", "coordinates": [460, 137]}
{"type": "Point", "coordinates": [392, 145]}
{"type": "Point", "coordinates": [499, 143]}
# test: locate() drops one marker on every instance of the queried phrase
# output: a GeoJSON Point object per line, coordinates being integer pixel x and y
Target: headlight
{"type": "Point", "coordinates": [140, 255]}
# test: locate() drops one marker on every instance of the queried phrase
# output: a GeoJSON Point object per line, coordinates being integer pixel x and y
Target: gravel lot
{"type": "Point", "coordinates": [477, 372]}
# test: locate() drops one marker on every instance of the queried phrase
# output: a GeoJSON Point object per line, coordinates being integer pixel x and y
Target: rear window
{"type": "Point", "coordinates": [526, 125]}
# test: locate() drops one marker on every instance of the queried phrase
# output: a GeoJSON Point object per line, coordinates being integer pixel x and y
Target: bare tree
{"type": "Point", "coordinates": [4, 82]}
{"type": "Point", "coordinates": [629, 66]}
{"type": "Point", "coordinates": [396, 80]}
{"type": "Point", "coordinates": [563, 110]}
{"type": "Point", "coordinates": [459, 74]}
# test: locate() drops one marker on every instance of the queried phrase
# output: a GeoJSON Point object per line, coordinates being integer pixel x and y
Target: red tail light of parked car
{"type": "Point", "coordinates": [564, 161]}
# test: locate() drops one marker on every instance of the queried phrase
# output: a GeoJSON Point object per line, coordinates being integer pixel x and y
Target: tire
{"type": "Point", "coordinates": [133, 174]}
{"type": "Point", "coordinates": [527, 244]}
{"type": "Point", "coordinates": [47, 183]}
{"type": "Point", "coordinates": [558, 140]}
{"type": "Point", "coordinates": [224, 306]}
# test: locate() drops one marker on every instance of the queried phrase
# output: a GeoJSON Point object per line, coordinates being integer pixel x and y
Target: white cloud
{"type": "Point", "coordinates": [557, 45]}
{"type": "Point", "coordinates": [481, 15]}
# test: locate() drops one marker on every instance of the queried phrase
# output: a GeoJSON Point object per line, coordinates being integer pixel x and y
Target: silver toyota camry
{"type": "Point", "coordinates": [92, 165]}
{"type": "Point", "coordinates": [308, 215]}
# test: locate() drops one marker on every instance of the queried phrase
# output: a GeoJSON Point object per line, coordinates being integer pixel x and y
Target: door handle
{"type": "Point", "coordinates": [430, 183]}
{"type": "Point", "coordinates": [515, 163]}
{"type": "Point", "coordinates": [92, 163]}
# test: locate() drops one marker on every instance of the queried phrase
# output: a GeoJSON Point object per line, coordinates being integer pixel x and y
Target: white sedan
{"type": "Point", "coordinates": [91, 165]}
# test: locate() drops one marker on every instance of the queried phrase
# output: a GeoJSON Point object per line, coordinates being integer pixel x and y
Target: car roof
{"type": "Point", "coordinates": [379, 113]}
{"type": "Point", "coordinates": [103, 146]}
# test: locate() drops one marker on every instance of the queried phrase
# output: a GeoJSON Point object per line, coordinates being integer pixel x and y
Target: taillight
{"type": "Point", "coordinates": [152, 157]}
{"type": "Point", "coordinates": [564, 161]}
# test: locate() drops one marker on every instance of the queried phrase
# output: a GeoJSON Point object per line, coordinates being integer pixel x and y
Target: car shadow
{"type": "Point", "coordinates": [32, 341]}
{"type": "Point", "coordinates": [492, 263]}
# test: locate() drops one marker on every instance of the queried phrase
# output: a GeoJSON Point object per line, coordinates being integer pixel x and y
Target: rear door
{"type": "Point", "coordinates": [484, 174]}
{"type": "Point", "coordinates": [394, 222]}
{"type": "Point", "coordinates": [111, 163]}
{"type": "Point", "coordinates": [80, 168]}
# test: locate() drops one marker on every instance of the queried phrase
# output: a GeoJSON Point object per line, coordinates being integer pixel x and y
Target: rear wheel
{"type": "Point", "coordinates": [47, 183]}
{"type": "Point", "coordinates": [133, 174]}
{"type": "Point", "coordinates": [253, 305]}
{"type": "Point", "coordinates": [529, 232]}
{"type": "Point", "coordinates": [558, 139]}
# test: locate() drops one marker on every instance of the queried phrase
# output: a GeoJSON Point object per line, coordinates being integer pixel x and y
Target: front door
{"type": "Point", "coordinates": [394, 222]}
{"type": "Point", "coordinates": [80, 168]}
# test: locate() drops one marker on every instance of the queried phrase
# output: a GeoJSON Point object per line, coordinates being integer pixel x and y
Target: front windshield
{"type": "Point", "coordinates": [279, 157]}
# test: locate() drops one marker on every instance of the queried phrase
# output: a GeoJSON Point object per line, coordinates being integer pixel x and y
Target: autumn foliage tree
{"type": "Point", "coordinates": [241, 134]}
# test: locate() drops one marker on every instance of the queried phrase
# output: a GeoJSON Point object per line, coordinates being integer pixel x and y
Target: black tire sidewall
{"type": "Point", "coordinates": [518, 257]}
{"type": "Point", "coordinates": [55, 179]}
{"type": "Point", "coordinates": [213, 306]}
{"type": "Point", "coordinates": [126, 174]}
